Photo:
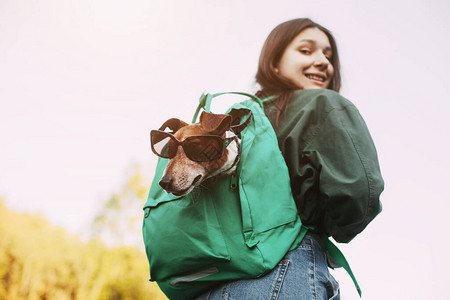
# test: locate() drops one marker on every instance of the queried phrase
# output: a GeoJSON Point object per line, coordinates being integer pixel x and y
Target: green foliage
{"type": "Point", "coordinates": [39, 261]}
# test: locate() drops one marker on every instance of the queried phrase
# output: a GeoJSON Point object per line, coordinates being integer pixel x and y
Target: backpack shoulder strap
{"type": "Point", "coordinates": [206, 99]}
{"type": "Point", "coordinates": [338, 257]}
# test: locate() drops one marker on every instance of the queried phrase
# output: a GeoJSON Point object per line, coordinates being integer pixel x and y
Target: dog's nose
{"type": "Point", "coordinates": [165, 182]}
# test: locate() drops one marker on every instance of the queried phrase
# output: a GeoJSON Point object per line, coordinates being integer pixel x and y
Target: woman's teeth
{"type": "Point", "coordinates": [314, 77]}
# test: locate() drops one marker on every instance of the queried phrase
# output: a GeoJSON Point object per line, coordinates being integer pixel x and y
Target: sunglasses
{"type": "Point", "coordinates": [199, 148]}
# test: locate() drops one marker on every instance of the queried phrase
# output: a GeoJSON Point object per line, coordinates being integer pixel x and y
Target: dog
{"type": "Point", "coordinates": [199, 151]}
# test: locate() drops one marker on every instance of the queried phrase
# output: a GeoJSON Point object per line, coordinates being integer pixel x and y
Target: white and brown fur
{"type": "Point", "coordinates": [182, 174]}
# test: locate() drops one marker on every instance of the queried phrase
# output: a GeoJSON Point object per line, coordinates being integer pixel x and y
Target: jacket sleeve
{"type": "Point", "coordinates": [342, 159]}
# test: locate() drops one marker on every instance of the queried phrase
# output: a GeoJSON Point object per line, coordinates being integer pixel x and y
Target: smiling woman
{"type": "Point", "coordinates": [306, 60]}
{"type": "Point", "coordinates": [333, 167]}
{"type": "Point", "coordinates": [294, 50]}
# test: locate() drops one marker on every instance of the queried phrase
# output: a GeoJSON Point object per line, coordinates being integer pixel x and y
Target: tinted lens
{"type": "Point", "coordinates": [163, 144]}
{"type": "Point", "coordinates": [203, 148]}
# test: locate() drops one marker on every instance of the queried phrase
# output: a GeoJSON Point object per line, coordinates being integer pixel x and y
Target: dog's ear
{"type": "Point", "coordinates": [215, 124]}
{"type": "Point", "coordinates": [240, 114]}
{"type": "Point", "coordinates": [173, 124]}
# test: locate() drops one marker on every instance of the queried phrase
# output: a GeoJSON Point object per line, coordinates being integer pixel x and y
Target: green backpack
{"type": "Point", "coordinates": [233, 227]}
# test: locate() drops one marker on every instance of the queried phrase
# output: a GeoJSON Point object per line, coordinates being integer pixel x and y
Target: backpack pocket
{"type": "Point", "coordinates": [264, 184]}
{"type": "Point", "coordinates": [186, 230]}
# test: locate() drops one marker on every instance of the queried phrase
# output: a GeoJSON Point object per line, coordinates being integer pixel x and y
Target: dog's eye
{"type": "Point", "coordinates": [171, 146]}
{"type": "Point", "coordinates": [195, 145]}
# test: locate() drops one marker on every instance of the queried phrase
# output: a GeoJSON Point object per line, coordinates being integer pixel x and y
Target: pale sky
{"type": "Point", "coordinates": [83, 82]}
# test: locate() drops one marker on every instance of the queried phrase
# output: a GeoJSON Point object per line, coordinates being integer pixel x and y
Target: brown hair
{"type": "Point", "coordinates": [281, 36]}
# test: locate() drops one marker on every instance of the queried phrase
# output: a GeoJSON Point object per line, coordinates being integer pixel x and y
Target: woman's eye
{"type": "Point", "coordinates": [305, 51]}
{"type": "Point", "coordinates": [328, 55]}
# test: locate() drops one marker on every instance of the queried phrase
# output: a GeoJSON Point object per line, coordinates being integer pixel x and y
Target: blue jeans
{"type": "Point", "coordinates": [301, 275]}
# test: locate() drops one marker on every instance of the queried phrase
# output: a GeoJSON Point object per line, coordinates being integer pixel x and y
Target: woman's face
{"type": "Point", "coordinates": [306, 60]}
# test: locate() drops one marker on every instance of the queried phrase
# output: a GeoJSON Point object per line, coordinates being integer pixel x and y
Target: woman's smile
{"type": "Point", "coordinates": [316, 78]}
{"type": "Point", "coordinates": [306, 60]}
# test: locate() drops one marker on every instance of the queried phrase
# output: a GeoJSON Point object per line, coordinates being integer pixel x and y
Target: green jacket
{"type": "Point", "coordinates": [332, 162]}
